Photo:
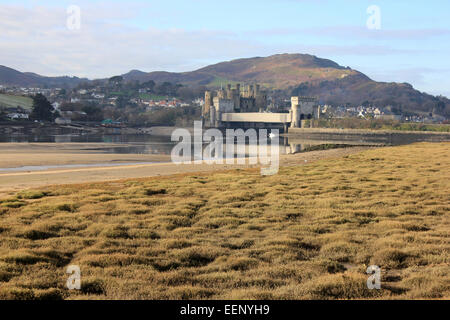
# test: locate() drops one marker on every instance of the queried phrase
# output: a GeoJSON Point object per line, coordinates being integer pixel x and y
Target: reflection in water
{"type": "Point", "coordinates": [145, 144]}
{"type": "Point", "coordinates": [69, 166]}
{"type": "Point", "coordinates": [293, 148]}
{"type": "Point", "coordinates": [162, 145]}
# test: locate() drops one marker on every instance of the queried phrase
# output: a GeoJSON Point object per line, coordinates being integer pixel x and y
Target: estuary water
{"type": "Point", "coordinates": [149, 144]}
{"type": "Point", "coordinates": [163, 145]}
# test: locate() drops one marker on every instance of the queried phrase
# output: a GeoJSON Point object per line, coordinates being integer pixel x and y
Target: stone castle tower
{"type": "Point", "coordinates": [251, 99]}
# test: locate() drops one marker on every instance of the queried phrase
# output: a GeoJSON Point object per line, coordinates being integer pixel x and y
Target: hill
{"type": "Point", "coordinates": [309, 75]}
{"type": "Point", "coordinates": [301, 74]}
{"type": "Point", "coordinates": [11, 77]}
{"type": "Point", "coordinates": [278, 72]}
{"type": "Point", "coordinates": [360, 90]}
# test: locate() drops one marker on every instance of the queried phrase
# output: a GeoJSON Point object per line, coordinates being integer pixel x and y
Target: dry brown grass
{"type": "Point", "coordinates": [307, 233]}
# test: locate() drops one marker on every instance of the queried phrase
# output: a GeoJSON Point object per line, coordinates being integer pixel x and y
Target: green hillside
{"type": "Point", "coordinates": [10, 101]}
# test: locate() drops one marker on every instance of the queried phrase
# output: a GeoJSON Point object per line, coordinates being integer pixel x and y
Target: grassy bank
{"type": "Point", "coordinates": [11, 101]}
{"type": "Point", "coordinates": [308, 232]}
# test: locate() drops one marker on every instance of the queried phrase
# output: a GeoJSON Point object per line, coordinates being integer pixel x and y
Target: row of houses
{"type": "Point", "coordinates": [17, 113]}
{"type": "Point", "coordinates": [91, 93]}
{"type": "Point", "coordinates": [23, 91]}
{"type": "Point", "coordinates": [167, 103]}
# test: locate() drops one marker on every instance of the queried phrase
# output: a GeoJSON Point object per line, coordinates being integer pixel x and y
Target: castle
{"type": "Point", "coordinates": [251, 99]}
{"type": "Point", "coordinates": [246, 108]}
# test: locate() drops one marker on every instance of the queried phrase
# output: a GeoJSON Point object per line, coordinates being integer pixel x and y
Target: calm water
{"type": "Point", "coordinates": [68, 166]}
{"type": "Point", "coordinates": [132, 144]}
{"type": "Point", "coordinates": [146, 144]}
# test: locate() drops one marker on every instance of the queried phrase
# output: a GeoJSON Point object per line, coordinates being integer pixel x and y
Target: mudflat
{"type": "Point", "coordinates": [14, 155]}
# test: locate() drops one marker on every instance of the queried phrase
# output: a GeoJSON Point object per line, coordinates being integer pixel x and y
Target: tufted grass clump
{"type": "Point", "coordinates": [308, 232]}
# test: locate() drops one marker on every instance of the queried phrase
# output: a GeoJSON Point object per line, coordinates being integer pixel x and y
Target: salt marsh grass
{"type": "Point", "coordinates": [308, 232]}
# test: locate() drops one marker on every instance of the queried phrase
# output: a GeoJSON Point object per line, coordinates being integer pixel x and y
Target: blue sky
{"type": "Point", "coordinates": [412, 44]}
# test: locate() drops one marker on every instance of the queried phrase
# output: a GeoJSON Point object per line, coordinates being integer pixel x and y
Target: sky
{"type": "Point", "coordinates": [401, 41]}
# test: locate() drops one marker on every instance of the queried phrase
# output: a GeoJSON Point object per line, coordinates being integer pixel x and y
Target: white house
{"type": "Point", "coordinates": [56, 105]}
{"type": "Point", "coordinates": [16, 116]}
{"type": "Point", "coordinates": [63, 121]}
{"type": "Point", "coordinates": [98, 96]}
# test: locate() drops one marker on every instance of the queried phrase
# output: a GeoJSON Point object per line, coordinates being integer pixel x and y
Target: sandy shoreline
{"type": "Point", "coordinates": [43, 147]}
{"type": "Point", "coordinates": [14, 155]}
{"type": "Point", "coordinates": [16, 160]}
{"type": "Point", "coordinates": [11, 182]}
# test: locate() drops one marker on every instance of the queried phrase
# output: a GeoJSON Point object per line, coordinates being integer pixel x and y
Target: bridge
{"type": "Point", "coordinates": [256, 119]}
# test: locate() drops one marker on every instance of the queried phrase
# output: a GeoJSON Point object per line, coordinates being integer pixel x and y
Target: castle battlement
{"type": "Point", "coordinates": [250, 99]}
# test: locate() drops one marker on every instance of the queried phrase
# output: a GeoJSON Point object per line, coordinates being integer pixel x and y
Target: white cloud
{"type": "Point", "coordinates": [37, 40]}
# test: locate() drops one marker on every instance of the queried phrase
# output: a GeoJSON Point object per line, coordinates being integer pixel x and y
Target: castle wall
{"type": "Point", "coordinates": [248, 105]}
{"type": "Point", "coordinates": [302, 108]}
{"type": "Point", "coordinates": [223, 105]}
{"type": "Point", "coordinates": [231, 106]}
{"type": "Point", "coordinates": [208, 103]}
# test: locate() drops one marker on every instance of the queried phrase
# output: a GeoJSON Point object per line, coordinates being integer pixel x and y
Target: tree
{"type": "Point", "coordinates": [94, 113]}
{"type": "Point", "coordinates": [71, 106]}
{"type": "Point", "coordinates": [439, 108]}
{"type": "Point", "coordinates": [122, 102]}
{"type": "Point", "coordinates": [301, 90]}
{"type": "Point", "coordinates": [132, 85]}
{"type": "Point", "coordinates": [85, 85]}
{"type": "Point", "coordinates": [148, 85]}
{"type": "Point", "coordinates": [42, 109]}
{"type": "Point", "coordinates": [116, 80]}
{"type": "Point", "coordinates": [167, 88]}
{"type": "Point", "coordinates": [2, 114]}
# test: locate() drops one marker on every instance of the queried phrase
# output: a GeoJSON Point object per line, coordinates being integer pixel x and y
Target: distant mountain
{"type": "Point", "coordinates": [278, 72]}
{"type": "Point", "coordinates": [13, 77]}
{"type": "Point", "coordinates": [300, 74]}
{"type": "Point", "coordinates": [305, 74]}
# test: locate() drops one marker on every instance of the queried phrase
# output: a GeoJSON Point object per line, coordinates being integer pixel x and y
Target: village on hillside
{"type": "Point", "coordinates": [116, 102]}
